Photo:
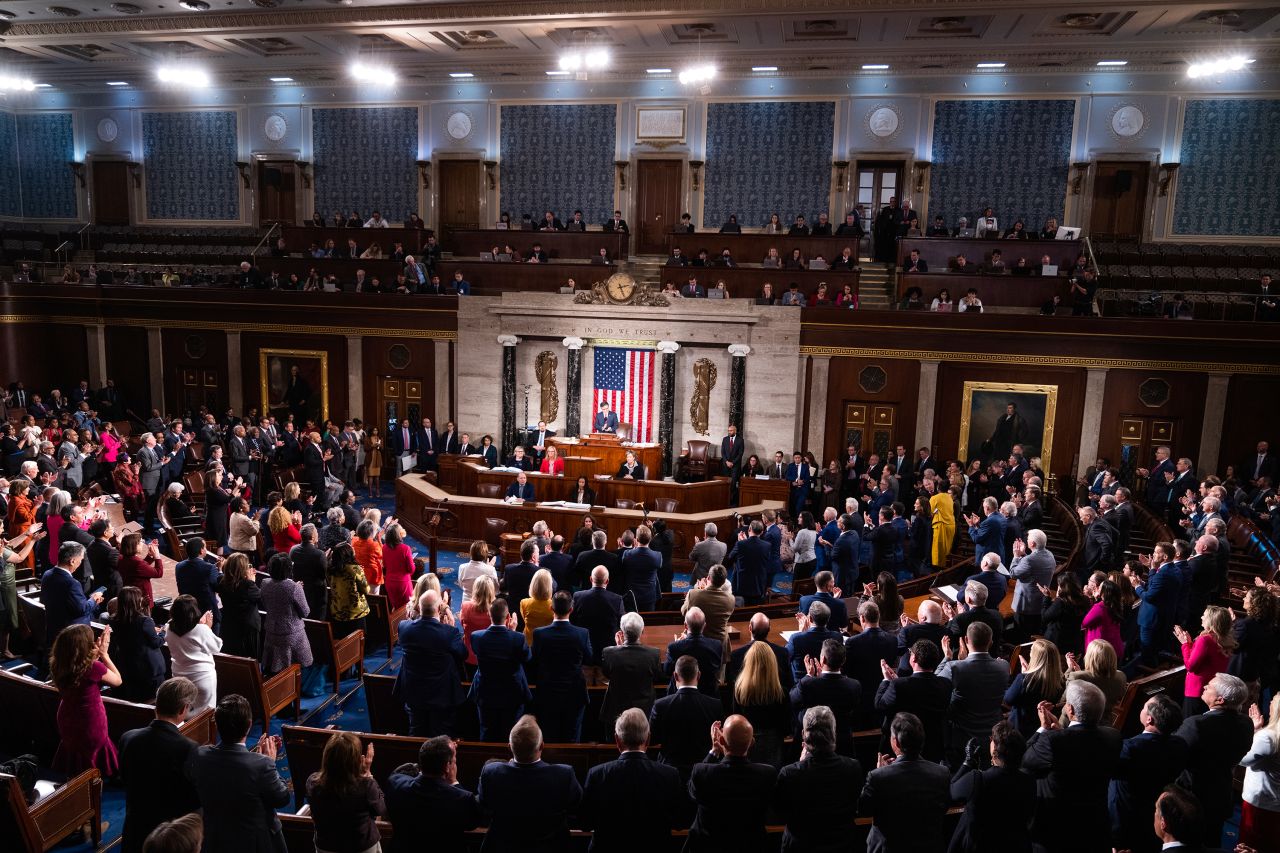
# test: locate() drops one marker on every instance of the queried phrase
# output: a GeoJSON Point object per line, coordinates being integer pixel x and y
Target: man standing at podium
{"type": "Point", "coordinates": [605, 421]}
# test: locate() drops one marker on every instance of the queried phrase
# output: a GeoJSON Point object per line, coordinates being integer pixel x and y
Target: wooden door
{"type": "Point", "coordinates": [110, 197]}
{"type": "Point", "coordinates": [870, 426]}
{"type": "Point", "coordinates": [398, 398]}
{"type": "Point", "coordinates": [657, 203]}
{"type": "Point", "coordinates": [1140, 435]}
{"type": "Point", "coordinates": [196, 387]}
{"type": "Point", "coordinates": [877, 183]}
{"type": "Point", "coordinates": [1119, 198]}
{"type": "Point", "coordinates": [277, 196]}
{"type": "Point", "coordinates": [459, 182]}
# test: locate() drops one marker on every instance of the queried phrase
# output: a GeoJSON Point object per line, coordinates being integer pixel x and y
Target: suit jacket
{"type": "Point", "coordinates": [977, 690]}
{"type": "Point", "coordinates": [841, 694]}
{"type": "Point", "coordinates": [525, 492]}
{"type": "Point", "coordinates": [149, 469]}
{"type": "Point", "coordinates": [999, 802]}
{"type": "Point", "coordinates": [1148, 762]}
{"type": "Point", "coordinates": [500, 657]}
{"type": "Point", "coordinates": [1121, 518]}
{"type": "Point", "coordinates": [632, 804]}
{"type": "Point", "coordinates": [103, 559]}
{"type": "Point", "coordinates": [156, 789]}
{"type": "Point", "coordinates": [808, 643]}
{"type": "Point", "coordinates": [632, 671]}
{"type": "Point", "coordinates": [1216, 741]}
{"type": "Point", "coordinates": [1160, 598]}
{"type": "Point", "coordinates": [1072, 767]}
{"type": "Point", "coordinates": [599, 611]}
{"type": "Point", "coordinates": [680, 723]}
{"type": "Point", "coordinates": [1031, 570]}
{"type": "Point", "coordinates": [417, 801]}
{"type": "Point", "coordinates": [717, 605]}
{"type": "Point", "coordinates": [844, 554]}
{"type": "Point", "coordinates": [515, 582]}
{"type": "Point", "coordinates": [559, 652]}
{"type": "Point", "coordinates": [588, 560]}
{"type": "Point", "coordinates": [863, 653]}
{"type": "Point", "coordinates": [839, 610]}
{"type": "Point", "coordinates": [528, 806]}
{"type": "Point", "coordinates": [1157, 488]}
{"type": "Point", "coordinates": [731, 453]}
{"type": "Point", "coordinates": [988, 535]}
{"type": "Point", "coordinates": [1099, 550]}
{"type": "Point", "coordinates": [907, 802]}
{"type": "Point", "coordinates": [431, 674]}
{"type": "Point", "coordinates": [749, 559]}
{"type": "Point", "coordinates": [923, 694]}
{"type": "Point", "coordinates": [238, 452]}
{"type": "Point", "coordinates": [64, 603]}
{"type": "Point", "coordinates": [733, 796]}
{"type": "Point", "coordinates": [826, 786]}
{"type": "Point", "coordinates": [603, 423]}
{"type": "Point", "coordinates": [397, 444]}
{"type": "Point", "coordinates": [739, 656]}
{"type": "Point", "coordinates": [772, 537]}
{"type": "Point", "coordinates": [637, 473]}
{"type": "Point", "coordinates": [707, 652]}
{"type": "Point", "coordinates": [239, 792]}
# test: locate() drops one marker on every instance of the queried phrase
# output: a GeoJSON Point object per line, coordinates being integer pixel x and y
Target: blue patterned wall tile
{"type": "Point", "coordinates": [365, 160]}
{"type": "Point", "coordinates": [190, 161]}
{"type": "Point", "coordinates": [45, 145]}
{"type": "Point", "coordinates": [1229, 181]}
{"type": "Point", "coordinates": [766, 157]}
{"type": "Point", "coordinates": [1011, 155]}
{"type": "Point", "coordinates": [558, 157]}
{"type": "Point", "coordinates": [10, 188]}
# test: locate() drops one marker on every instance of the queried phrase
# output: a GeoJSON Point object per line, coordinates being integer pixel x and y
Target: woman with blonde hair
{"type": "Point", "coordinates": [758, 696]}
{"type": "Point", "coordinates": [293, 497]}
{"type": "Point", "coordinates": [480, 564]}
{"type": "Point", "coordinates": [1102, 670]}
{"type": "Point", "coordinates": [475, 612]}
{"type": "Point", "coordinates": [1260, 812]}
{"type": "Point", "coordinates": [80, 665]}
{"type": "Point", "coordinates": [285, 527]}
{"type": "Point", "coordinates": [425, 581]}
{"type": "Point", "coordinates": [1041, 680]}
{"type": "Point", "coordinates": [536, 609]}
{"type": "Point", "coordinates": [1207, 656]}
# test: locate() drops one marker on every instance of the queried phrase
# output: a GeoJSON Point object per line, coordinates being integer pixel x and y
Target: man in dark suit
{"type": "Point", "coordinates": [749, 559]}
{"type": "Point", "coordinates": [922, 694]}
{"type": "Point", "coordinates": [1121, 518]}
{"type": "Point", "coordinates": [915, 263]}
{"type": "Point", "coordinates": [1159, 597]}
{"type": "Point", "coordinates": [811, 633]}
{"type": "Point", "coordinates": [550, 222]}
{"type": "Point", "coordinates": [633, 803]}
{"type": "Point", "coordinates": [315, 459]}
{"type": "Point", "coordinates": [428, 446]}
{"type": "Point", "coordinates": [731, 454]}
{"type": "Point", "coordinates": [558, 561]}
{"type": "Point", "coordinates": [681, 720]}
{"type": "Point", "coordinates": [1099, 550]}
{"type": "Point", "coordinates": [1000, 800]}
{"type": "Point", "coordinates": [528, 800]}
{"type": "Point", "coordinates": [759, 627]}
{"type": "Point", "coordinates": [972, 607]}
{"type": "Point", "coordinates": [239, 790]}
{"type": "Point", "coordinates": [103, 559]}
{"type": "Point", "coordinates": [559, 652]}
{"type": "Point", "coordinates": [800, 477]}
{"type": "Point", "coordinates": [617, 223]}
{"type": "Point", "coordinates": [732, 793]}
{"type": "Point", "coordinates": [1216, 741]}
{"type": "Point", "coordinates": [632, 669]}
{"type": "Point", "coordinates": [175, 443]}
{"type": "Point", "coordinates": [540, 436]}
{"type": "Point", "coordinates": [430, 678]}
{"type": "Point", "coordinates": [63, 596]}
{"type": "Point", "coordinates": [597, 609]}
{"type": "Point", "coordinates": [402, 440]}
{"type": "Point", "coordinates": [1072, 766]}
{"type": "Point", "coordinates": [907, 795]}
{"type": "Point", "coordinates": [428, 794]}
{"type": "Point", "coordinates": [589, 561]}
{"type": "Point", "coordinates": [844, 552]}
{"type": "Point", "coordinates": [707, 652]}
{"type": "Point", "coordinates": [987, 534]}
{"type": "Point", "coordinates": [825, 583]}
{"type": "Point", "coordinates": [605, 420]}
{"type": "Point", "coordinates": [1261, 463]}
{"type": "Point", "coordinates": [499, 689]}
{"type": "Point", "coordinates": [864, 653]}
{"type": "Point", "coordinates": [1149, 761]}
{"type": "Point", "coordinates": [198, 577]}
{"type": "Point", "coordinates": [521, 488]}
{"type": "Point", "coordinates": [826, 685]}
{"type": "Point", "coordinates": [817, 797]}
{"type": "Point", "coordinates": [152, 765]}
{"type": "Point", "coordinates": [978, 682]}
{"type": "Point", "coordinates": [516, 578]}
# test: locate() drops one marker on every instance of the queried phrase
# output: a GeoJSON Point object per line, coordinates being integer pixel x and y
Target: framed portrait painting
{"type": "Point", "coordinates": [294, 382]}
{"type": "Point", "coordinates": [994, 416]}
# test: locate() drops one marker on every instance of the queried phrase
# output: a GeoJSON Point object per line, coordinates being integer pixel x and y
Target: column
{"type": "Point", "coordinates": [926, 406]}
{"type": "Point", "coordinates": [442, 413]}
{"type": "Point", "coordinates": [573, 383]}
{"type": "Point", "coordinates": [155, 355]}
{"type": "Point", "coordinates": [667, 405]}
{"type": "Point", "coordinates": [235, 374]}
{"type": "Point", "coordinates": [96, 344]}
{"type": "Point", "coordinates": [1091, 424]}
{"type": "Point", "coordinates": [355, 377]}
{"type": "Point", "coordinates": [818, 405]}
{"type": "Point", "coordinates": [509, 343]}
{"type": "Point", "coordinates": [1215, 407]}
{"type": "Point", "coordinates": [738, 386]}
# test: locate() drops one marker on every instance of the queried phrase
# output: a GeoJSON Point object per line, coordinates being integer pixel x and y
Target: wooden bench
{"type": "Point", "coordinates": [51, 819]}
{"type": "Point", "coordinates": [267, 696]}
{"type": "Point", "coordinates": [1125, 714]}
{"type": "Point", "coordinates": [340, 655]}
{"type": "Point", "coordinates": [383, 623]}
{"type": "Point", "coordinates": [300, 831]}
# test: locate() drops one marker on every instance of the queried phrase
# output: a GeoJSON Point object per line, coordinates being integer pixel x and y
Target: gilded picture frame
{"type": "Point", "coordinates": [275, 368]}
{"type": "Point", "coordinates": [983, 432]}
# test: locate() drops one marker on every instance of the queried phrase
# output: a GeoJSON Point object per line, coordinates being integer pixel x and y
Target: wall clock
{"type": "Point", "coordinates": [458, 125]}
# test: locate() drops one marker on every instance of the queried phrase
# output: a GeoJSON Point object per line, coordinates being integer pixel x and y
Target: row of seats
{"type": "Point", "coordinates": [1185, 277]}
{"type": "Point", "coordinates": [1239, 256]}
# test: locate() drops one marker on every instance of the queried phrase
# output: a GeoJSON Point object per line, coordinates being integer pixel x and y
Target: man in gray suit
{"type": "Point", "coordinates": [978, 682]}
{"type": "Point", "coordinates": [72, 460]}
{"type": "Point", "coordinates": [239, 789]}
{"type": "Point", "coordinates": [707, 552]}
{"type": "Point", "coordinates": [150, 468]}
{"type": "Point", "coordinates": [1032, 567]}
{"type": "Point", "coordinates": [632, 669]}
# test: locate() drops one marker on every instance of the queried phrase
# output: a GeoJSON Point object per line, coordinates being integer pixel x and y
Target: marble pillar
{"type": "Point", "coordinates": [509, 343]}
{"type": "Point", "coordinates": [155, 355]}
{"type": "Point", "coordinates": [738, 386]}
{"type": "Point", "coordinates": [1215, 407]}
{"type": "Point", "coordinates": [355, 377]}
{"type": "Point", "coordinates": [817, 437]}
{"type": "Point", "coordinates": [235, 373]}
{"type": "Point", "coordinates": [927, 404]}
{"type": "Point", "coordinates": [1091, 423]}
{"type": "Point", "coordinates": [573, 386]}
{"type": "Point", "coordinates": [443, 412]}
{"type": "Point", "coordinates": [667, 405]}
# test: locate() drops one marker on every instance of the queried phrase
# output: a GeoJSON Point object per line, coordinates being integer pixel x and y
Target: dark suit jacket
{"type": "Point", "coordinates": [431, 674]}
{"type": "Point", "coordinates": [600, 423]}
{"type": "Point", "coordinates": [839, 610]}
{"type": "Point", "coordinates": [733, 796]}
{"type": "Point", "coordinates": [599, 611]}
{"type": "Point", "coordinates": [428, 439]}
{"type": "Point", "coordinates": [64, 603]}
{"type": "Point", "coordinates": [999, 803]}
{"type": "Point", "coordinates": [199, 579]}
{"type": "Point", "coordinates": [680, 723]}
{"type": "Point", "coordinates": [1072, 767]}
{"type": "Point", "coordinates": [817, 798]}
{"type": "Point", "coordinates": [739, 655]}
{"type": "Point", "coordinates": [588, 560]}
{"type": "Point", "coordinates": [515, 581]}
{"type": "Point", "coordinates": [637, 473]}
{"type": "Point", "coordinates": [1216, 741]}
{"type": "Point", "coordinates": [1148, 762]}
{"type": "Point", "coordinates": [417, 801]}
{"type": "Point", "coordinates": [709, 654]}
{"type": "Point", "coordinates": [838, 692]}
{"type": "Point", "coordinates": [731, 457]}
{"type": "Point", "coordinates": [239, 792]}
{"type": "Point", "coordinates": [632, 804]}
{"type": "Point", "coordinates": [500, 655]}
{"type": "Point", "coordinates": [640, 568]}
{"type": "Point", "coordinates": [528, 806]}
{"type": "Point", "coordinates": [395, 441]}
{"type": "Point", "coordinates": [1160, 598]}
{"type": "Point", "coordinates": [632, 671]}
{"type": "Point", "coordinates": [559, 652]}
{"type": "Point", "coordinates": [907, 801]}
{"type": "Point", "coordinates": [525, 493]}
{"type": "Point", "coordinates": [863, 653]}
{"type": "Point", "coordinates": [1099, 547]}
{"type": "Point", "coordinates": [749, 559]}
{"type": "Point", "coordinates": [988, 535]}
{"type": "Point", "coordinates": [808, 643]}
{"type": "Point", "coordinates": [923, 694]}
{"type": "Point", "coordinates": [103, 558]}
{"type": "Point", "coordinates": [156, 789]}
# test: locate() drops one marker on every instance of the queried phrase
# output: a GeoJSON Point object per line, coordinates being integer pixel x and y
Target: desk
{"type": "Point", "coordinates": [751, 490]}
{"type": "Point", "coordinates": [581, 245]}
{"type": "Point", "coordinates": [937, 251]}
{"type": "Point", "coordinates": [995, 291]}
{"type": "Point", "coordinates": [752, 248]}
{"type": "Point", "coordinates": [693, 497]}
{"type": "Point", "coordinates": [298, 238]}
{"type": "Point", "coordinates": [611, 455]}
{"type": "Point", "coordinates": [746, 282]}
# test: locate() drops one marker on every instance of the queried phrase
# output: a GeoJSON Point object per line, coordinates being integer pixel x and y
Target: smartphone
{"type": "Point", "coordinates": [102, 590]}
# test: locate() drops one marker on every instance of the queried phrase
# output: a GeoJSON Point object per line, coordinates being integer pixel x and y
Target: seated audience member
{"type": "Point", "coordinates": [793, 296]}
{"type": "Point", "coordinates": [527, 800]}
{"type": "Point", "coordinates": [796, 261]}
{"type": "Point", "coordinates": [962, 229]}
{"type": "Point", "coordinates": [1017, 232]}
{"type": "Point", "coordinates": [912, 300]}
{"type": "Point", "coordinates": [960, 264]}
{"type": "Point", "coordinates": [938, 228]}
{"type": "Point", "coordinates": [766, 296]}
{"type": "Point", "coordinates": [428, 794]}
{"type": "Point", "coordinates": [693, 290]}
{"type": "Point", "coordinates": [1149, 761]}
{"type": "Point", "coordinates": [907, 795]}
{"type": "Point", "coordinates": [999, 800]}
{"type": "Point", "coordinates": [1050, 306]}
{"type": "Point", "coordinates": [923, 695]}
{"type": "Point", "coordinates": [821, 228]}
{"type": "Point", "coordinates": [915, 263]}
{"type": "Point", "coordinates": [576, 223]}
{"type": "Point", "coordinates": [970, 302]}
{"type": "Point", "coordinates": [846, 260]}
{"type": "Point", "coordinates": [798, 228]}
{"type": "Point", "coordinates": [942, 302]}
{"type": "Point", "coordinates": [995, 264]}
{"type": "Point", "coordinates": [821, 783]}
{"type": "Point", "coordinates": [631, 804]}
{"type": "Point", "coordinates": [344, 798]}
{"type": "Point", "coordinates": [1020, 267]}
{"type": "Point", "coordinates": [680, 721]}
{"type": "Point", "coordinates": [536, 255]}
{"type": "Point", "coordinates": [602, 257]}
{"type": "Point", "coordinates": [731, 225]}
{"type": "Point", "coordinates": [820, 298]}
{"type": "Point", "coordinates": [686, 224]}
{"type": "Point", "coordinates": [726, 259]}
{"type": "Point", "coordinates": [617, 223]}
{"type": "Point", "coordinates": [772, 260]}
{"type": "Point", "coordinates": [1216, 741]}
{"type": "Point", "coordinates": [1050, 229]}
{"type": "Point", "coordinates": [851, 227]}
{"type": "Point", "coordinates": [550, 222]}
{"type": "Point", "coordinates": [152, 766]}
{"type": "Point", "coordinates": [732, 794]}
{"type": "Point", "coordinates": [847, 298]}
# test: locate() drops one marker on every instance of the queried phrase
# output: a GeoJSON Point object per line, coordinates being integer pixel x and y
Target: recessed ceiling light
{"type": "Point", "coordinates": [460, 75]}
{"type": "Point", "coordinates": [991, 65]}
{"type": "Point", "coordinates": [116, 83]}
{"type": "Point", "coordinates": [44, 85]}
{"type": "Point", "coordinates": [182, 76]}
{"type": "Point", "coordinates": [376, 74]}
{"type": "Point", "coordinates": [698, 75]}
{"type": "Point", "coordinates": [557, 73]}
{"type": "Point", "coordinates": [20, 84]}
{"type": "Point", "coordinates": [1112, 63]}
{"type": "Point", "coordinates": [764, 68]}
{"type": "Point", "coordinates": [194, 5]}
{"type": "Point", "coordinates": [657, 71]}
{"type": "Point", "coordinates": [591, 60]}
{"type": "Point", "coordinates": [875, 67]}
{"type": "Point", "coordinates": [281, 79]}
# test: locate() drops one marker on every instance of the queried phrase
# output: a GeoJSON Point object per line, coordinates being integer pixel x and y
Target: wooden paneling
{"type": "Point", "coordinates": [939, 251]}
{"type": "Point", "coordinates": [993, 290]}
{"type": "Point", "coordinates": [844, 384]}
{"type": "Point", "coordinates": [1250, 418]}
{"type": "Point", "coordinates": [1185, 408]}
{"type": "Point", "coordinates": [298, 238]}
{"type": "Point", "coordinates": [581, 245]}
{"type": "Point", "coordinates": [111, 188]}
{"type": "Point", "coordinates": [658, 194]}
{"type": "Point", "coordinates": [334, 345]}
{"type": "Point", "coordinates": [381, 355]}
{"type": "Point", "coordinates": [277, 193]}
{"type": "Point", "coordinates": [28, 351]}
{"type": "Point", "coordinates": [1119, 198]}
{"type": "Point", "coordinates": [752, 248]}
{"type": "Point", "coordinates": [195, 365]}
{"type": "Point", "coordinates": [128, 363]}
{"type": "Point", "coordinates": [459, 183]}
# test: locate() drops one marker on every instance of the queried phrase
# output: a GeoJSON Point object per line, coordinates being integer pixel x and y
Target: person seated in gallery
{"type": "Point", "coordinates": [915, 263]}
{"type": "Point", "coordinates": [521, 489]}
{"type": "Point", "coordinates": [617, 224]}
{"type": "Point", "coordinates": [726, 259]}
{"type": "Point", "coordinates": [686, 224]}
{"type": "Point", "coordinates": [960, 264]}
{"type": "Point", "coordinates": [772, 260]}
{"type": "Point", "coordinates": [851, 227]}
{"type": "Point", "coordinates": [1050, 306]}
{"type": "Point", "coordinates": [703, 259]}
{"type": "Point", "coordinates": [766, 296]}
{"type": "Point", "coordinates": [796, 261]}
{"type": "Point", "coordinates": [938, 228]}
{"type": "Point", "coordinates": [354, 219]}
{"type": "Point", "coordinates": [731, 225]}
{"type": "Point", "coordinates": [821, 297]}
{"type": "Point", "coordinates": [602, 257]}
{"type": "Point", "coordinates": [793, 296]}
{"type": "Point", "coordinates": [631, 469]}
{"type": "Point", "coordinates": [677, 258]}
{"type": "Point", "coordinates": [317, 220]}
{"type": "Point", "coordinates": [536, 255]}
{"type": "Point", "coordinates": [847, 260]}
{"type": "Point", "coordinates": [995, 264]}
{"type": "Point", "coordinates": [693, 290]}
{"type": "Point", "coordinates": [1020, 267]}
{"type": "Point", "coordinates": [577, 223]}
{"type": "Point", "coordinates": [460, 286]}
{"type": "Point", "coordinates": [1045, 261]}
{"type": "Point", "coordinates": [669, 290]}
{"type": "Point", "coordinates": [605, 420]}
{"type": "Point", "coordinates": [970, 302]}
{"type": "Point", "coordinates": [942, 302]}
{"type": "Point", "coordinates": [912, 300]}
{"type": "Point", "coordinates": [1050, 229]}
{"type": "Point", "coordinates": [774, 225]}
{"type": "Point", "coordinates": [550, 222]}
{"type": "Point", "coordinates": [799, 228]}
{"type": "Point", "coordinates": [962, 228]}
{"type": "Point", "coordinates": [821, 228]}
{"type": "Point", "coordinates": [1017, 232]}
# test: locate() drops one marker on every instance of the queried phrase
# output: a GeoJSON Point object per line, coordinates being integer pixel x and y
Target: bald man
{"type": "Point", "coordinates": [930, 625]}
{"type": "Point", "coordinates": [598, 610]}
{"type": "Point", "coordinates": [707, 652]}
{"type": "Point", "coordinates": [430, 679]}
{"type": "Point", "coordinates": [759, 627]}
{"type": "Point", "coordinates": [732, 793]}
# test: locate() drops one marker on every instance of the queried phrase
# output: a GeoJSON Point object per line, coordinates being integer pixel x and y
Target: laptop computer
{"type": "Point", "coordinates": [964, 232]}
{"type": "Point", "coordinates": [713, 293]}
{"type": "Point", "coordinates": [500, 226]}
{"type": "Point", "coordinates": [1049, 269]}
{"type": "Point", "coordinates": [1065, 233]}
{"type": "Point", "coordinates": [818, 265]}
{"type": "Point", "coordinates": [504, 257]}
{"type": "Point", "coordinates": [486, 256]}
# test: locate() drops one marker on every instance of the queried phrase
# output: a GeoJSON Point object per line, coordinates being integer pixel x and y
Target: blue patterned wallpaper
{"type": "Point", "coordinates": [1011, 155]}
{"type": "Point", "coordinates": [558, 157]}
{"type": "Point", "coordinates": [10, 186]}
{"type": "Point", "coordinates": [190, 162]}
{"type": "Point", "coordinates": [766, 157]}
{"type": "Point", "coordinates": [45, 145]}
{"type": "Point", "coordinates": [1229, 182]}
{"type": "Point", "coordinates": [364, 160]}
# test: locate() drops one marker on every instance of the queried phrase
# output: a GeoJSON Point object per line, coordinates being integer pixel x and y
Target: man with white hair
{"type": "Point", "coordinates": [1203, 569]}
{"type": "Point", "coordinates": [597, 609]}
{"type": "Point", "coordinates": [820, 783]}
{"type": "Point", "coordinates": [707, 652]}
{"type": "Point", "coordinates": [1032, 567]}
{"type": "Point", "coordinates": [430, 678]}
{"type": "Point", "coordinates": [1097, 553]}
{"type": "Point", "coordinates": [632, 669]}
{"type": "Point", "coordinates": [632, 803]}
{"type": "Point", "coordinates": [1216, 741]}
{"type": "Point", "coordinates": [987, 533]}
{"type": "Point", "coordinates": [989, 576]}
{"type": "Point", "coordinates": [1073, 767]}
{"type": "Point", "coordinates": [707, 551]}
{"type": "Point", "coordinates": [972, 607]}
{"type": "Point", "coordinates": [528, 800]}
{"type": "Point", "coordinates": [29, 471]}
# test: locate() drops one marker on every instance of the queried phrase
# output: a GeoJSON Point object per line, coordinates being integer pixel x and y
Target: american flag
{"type": "Point", "coordinates": [624, 380]}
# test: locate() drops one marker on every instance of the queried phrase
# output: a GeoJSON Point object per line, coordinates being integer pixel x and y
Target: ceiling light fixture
{"type": "Point", "coordinates": [764, 68]}
{"type": "Point", "coordinates": [589, 60]}
{"type": "Point", "coordinates": [182, 76]}
{"type": "Point", "coordinates": [698, 74]}
{"type": "Point", "coordinates": [281, 79]}
{"type": "Point", "coordinates": [1113, 63]}
{"type": "Point", "coordinates": [116, 83]}
{"type": "Point", "coordinates": [657, 71]}
{"type": "Point", "coordinates": [378, 75]}
{"type": "Point", "coordinates": [875, 67]}
{"type": "Point", "coordinates": [16, 84]}
{"type": "Point", "coordinates": [461, 75]}
{"type": "Point", "coordinates": [557, 73]}
{"type": "Point", "coordinates": [1217, 66]}
{"type": "Point", "coordinates": [991, 65]}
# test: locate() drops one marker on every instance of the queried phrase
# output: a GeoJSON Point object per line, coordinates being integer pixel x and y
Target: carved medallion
{"type": "Point", "coordinates": [883, 122]}
{"type": "Point", "coordinates": [1127, 121]}
{"type": "Point", "coordinates": [620, 289]}
{"type": "Point", "coordinates": [275, 127]}
{"type": "Point", "coordinates": [108, 130]}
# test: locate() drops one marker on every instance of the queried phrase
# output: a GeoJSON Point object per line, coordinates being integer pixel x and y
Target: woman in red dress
{"type": "Point", "coordinates": [125, 477]}
{"type": "Point", "coordinates": [139, 568]}
{"type": "Point", "coordinates": [397, 567]}
{"type": "Point", "coordinates": [286, 529]}
{"type": "Point", "coordinates": [22, 514]}
{"type": "Point", "coordinates": [80, 666]}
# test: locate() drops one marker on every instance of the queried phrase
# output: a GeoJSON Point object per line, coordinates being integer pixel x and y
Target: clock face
{"type": "Point", "coordinates": [620, 288]}
{"type": "Point", "coordinates": [275, 127]}
{"type": "Point", "coordinates": [458, 125]}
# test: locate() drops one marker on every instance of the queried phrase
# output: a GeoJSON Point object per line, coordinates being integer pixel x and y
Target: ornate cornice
{"type": "Point", "coordinates": [1047, 360]}
{"type": "Point", "coordinates": [222, 325]}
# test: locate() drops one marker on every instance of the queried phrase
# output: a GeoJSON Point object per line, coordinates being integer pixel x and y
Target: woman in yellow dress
{"type": "Point", "coordinates": [536, 609]}
{"type": "Point", "coordinates": [944, 523]}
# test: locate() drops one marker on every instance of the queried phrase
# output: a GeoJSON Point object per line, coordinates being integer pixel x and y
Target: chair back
{"type": "Point", "coordinates": [699, 451]}
{"type": "Point", "coordinates": [624, 432]}
{"type": "Point", "coordinates": [493, 530]}
{"type": "Point", "coordinates": [488, 490]}
{"type": "Point", "coordinates": [666, 505]}
{"type": "Point", "coordinates": [339, 654]}
{"type": "Point", "coordinates": [623, 503]}
{"type": "Point", "coordinates": [266, 696]}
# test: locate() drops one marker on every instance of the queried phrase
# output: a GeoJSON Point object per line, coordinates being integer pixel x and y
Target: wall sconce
{"type": "Point", "coordinates": [490, 166]}
{"type": "Point", "coordinates": [243, 168]}
{"type": "Point", "coordinates": [922, 169]}
{"type": "Point", "coordinates": [304, 169]}
{"type": "Point", "coordinates": [841, 166]}
{"type": "Point", "coordinates": [1167, 171]}
{"type": "Point", "coordinates": [1078, 172]}
{"type": "Point", "coordinates": [424, 172]}
{"type": "Point", "coordinates": [77, 169]}
{"type": "Point", "coordinates": [695, 165]}
{"type": "Point", "coordinates": [621, 166]}
{"type": "Point", "coordinates": [135, 172]}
